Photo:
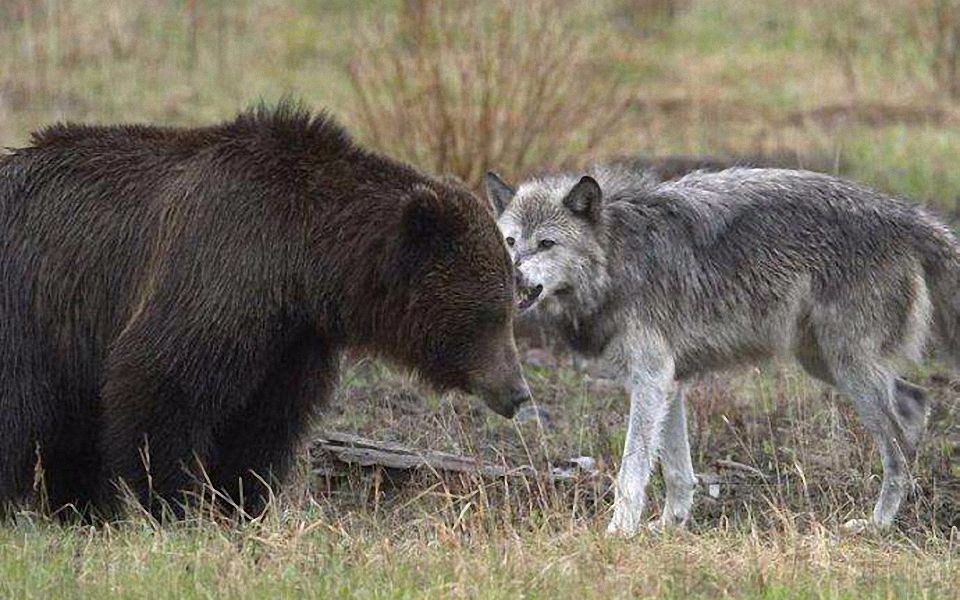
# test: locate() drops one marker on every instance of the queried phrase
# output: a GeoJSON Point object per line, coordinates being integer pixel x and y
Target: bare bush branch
{"type": "Point", "coordinates": [461, 88]}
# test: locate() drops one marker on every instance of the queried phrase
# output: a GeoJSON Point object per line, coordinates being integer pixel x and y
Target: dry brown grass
{"type": "Point", "coordinates": [808, 462]}
{"type": "Point", "coordinates": [464, 87]}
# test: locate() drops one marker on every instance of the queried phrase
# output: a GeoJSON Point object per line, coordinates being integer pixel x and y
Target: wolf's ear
{"type": "Point", "coordinates": [585, 199]}
{"type": "Point", "coordinates": [498, 193]}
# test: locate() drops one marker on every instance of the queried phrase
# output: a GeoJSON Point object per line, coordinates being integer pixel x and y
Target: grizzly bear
{"type": "Point", "coordinates": [174, 301]}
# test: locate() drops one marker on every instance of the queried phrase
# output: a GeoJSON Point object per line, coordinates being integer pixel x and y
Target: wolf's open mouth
{"type": "Point", "coordinates": [528, 295]}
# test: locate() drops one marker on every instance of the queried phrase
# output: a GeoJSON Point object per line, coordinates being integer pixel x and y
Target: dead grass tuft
{"type": "Point", "coordinates": [464, 87]}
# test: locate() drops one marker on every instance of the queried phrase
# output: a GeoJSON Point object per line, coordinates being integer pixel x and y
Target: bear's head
{"type": "Point", "coordinates": [455, 283]}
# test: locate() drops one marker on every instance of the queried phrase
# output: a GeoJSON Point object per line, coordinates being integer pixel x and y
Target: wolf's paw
{"type": "Point", "coordinates": [622, 530]}
{"type": "Point", "coordinates": [625, 524]}
{"type": "Point", "coordinates": [666, 523]}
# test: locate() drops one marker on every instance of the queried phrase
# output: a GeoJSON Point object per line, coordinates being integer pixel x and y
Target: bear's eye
{"type": "Point", "coordinates": [510, 241]}
{"type": "Point", "coordinates": [546, 244]}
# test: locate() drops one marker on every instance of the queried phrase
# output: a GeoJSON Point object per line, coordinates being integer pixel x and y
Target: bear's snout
{"type": "Point", "coordinates": [507, 403]}
{"type": "Point", "coordinates": [519, 400]}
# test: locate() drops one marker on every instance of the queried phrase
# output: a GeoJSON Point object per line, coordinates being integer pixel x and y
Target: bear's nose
{"type": "Point", "coordinates": [521, 398]}
{"type": "Point", "coordinates": [517, 399]}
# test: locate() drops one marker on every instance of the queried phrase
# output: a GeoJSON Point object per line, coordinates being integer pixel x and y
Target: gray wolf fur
{"type": "Point", "coordinates": [670, 280]}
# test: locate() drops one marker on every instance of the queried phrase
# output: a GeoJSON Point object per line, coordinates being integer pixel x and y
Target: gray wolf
{"type": "Point", "coordinates": [714, 270]}
{"type": "Point", "coordinates": [174, 301]}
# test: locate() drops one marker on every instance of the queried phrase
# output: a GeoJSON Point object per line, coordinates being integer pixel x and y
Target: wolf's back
{"type": "Point", "coordinates": [841, 220]}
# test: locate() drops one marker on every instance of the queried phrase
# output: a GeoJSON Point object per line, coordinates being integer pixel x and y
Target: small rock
{"type": "Point", "coordinates": [575, 466]}
{"type": "Point", "coordinates": [586, 463]}
{"type": "Point", "coordinates": [538, 357]}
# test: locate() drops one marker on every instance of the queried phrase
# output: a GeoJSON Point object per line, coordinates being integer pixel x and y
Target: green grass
{"type": "Point", "coordinates": [738, 69]}
{"type": "Point", "coordinates": [888, 158]}
{"type": "Point", "coordinates": [310, 556]}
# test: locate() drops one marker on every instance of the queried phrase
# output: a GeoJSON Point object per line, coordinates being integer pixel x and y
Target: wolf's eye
{"type": "Point", "coordinates": [546, 244]}
{"type": "Point", "coordinates": [510, 241]}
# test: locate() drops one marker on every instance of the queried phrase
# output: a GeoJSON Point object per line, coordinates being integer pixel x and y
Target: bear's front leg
{"type": "Point", "coordinates": [153, 442]}
{"type": "Point", "coordinates": [256, 447]}
{"type": "Point", "coordinates": [172, 382]}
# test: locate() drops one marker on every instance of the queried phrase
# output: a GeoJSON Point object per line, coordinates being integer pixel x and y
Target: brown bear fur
{"type": "Point", "coordinates": [178, 298]}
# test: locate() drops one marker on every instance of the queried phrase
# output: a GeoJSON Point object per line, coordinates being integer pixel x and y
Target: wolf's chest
{"type": "Point", "coordinates": [589, 337]}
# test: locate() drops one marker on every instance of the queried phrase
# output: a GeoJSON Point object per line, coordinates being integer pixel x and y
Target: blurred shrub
{"type": "Point", "coordinates": [898, 34]}
{"type": "Point", "coordinates": [648, 17]}
{"type": "Point", "coordinates": [460, 88]}
{"type": "Point", "coordinates": [937, 24]}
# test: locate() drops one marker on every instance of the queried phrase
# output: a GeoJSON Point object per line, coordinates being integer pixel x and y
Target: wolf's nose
{"type": "Point", "coordinates": [518, 279]}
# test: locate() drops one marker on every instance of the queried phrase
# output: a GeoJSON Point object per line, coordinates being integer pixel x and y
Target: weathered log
{"type": "Point", "coordinates": [354, 450]}
{"type": "Point", "coordinates": [351, 450]}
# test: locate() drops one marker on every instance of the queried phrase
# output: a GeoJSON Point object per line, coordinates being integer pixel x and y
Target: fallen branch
{"type": "Point", "coordinates": [347, 449]}
{"type": "Point", "coordinates": [354, 450]}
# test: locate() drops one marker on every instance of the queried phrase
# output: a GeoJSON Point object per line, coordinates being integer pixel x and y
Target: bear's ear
{"type": "Point", "coordinates": [426, 219]}
{"type": "Point", "coordinates": [585, 199]}
{"type": "Point", "coordinates": [498, 192]}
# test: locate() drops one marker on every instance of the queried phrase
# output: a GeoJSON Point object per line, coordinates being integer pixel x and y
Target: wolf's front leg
{"type": "Point", "coordinates": [651, 386]}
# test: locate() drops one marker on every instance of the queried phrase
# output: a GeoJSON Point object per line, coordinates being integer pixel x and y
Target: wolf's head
{"type": "Point", "coordinates": [553, 229]}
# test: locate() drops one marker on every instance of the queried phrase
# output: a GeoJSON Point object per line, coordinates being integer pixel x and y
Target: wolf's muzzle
{"type": "Point", "coordinates": [527, 294]}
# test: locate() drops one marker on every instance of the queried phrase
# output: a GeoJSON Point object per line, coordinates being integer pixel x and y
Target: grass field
{"type": "Point", "coordinates": [869, 87]}
{"type": "Point", "coordinates": [769, 529]}
{"type": "Point", "coordinates": [300, 558]}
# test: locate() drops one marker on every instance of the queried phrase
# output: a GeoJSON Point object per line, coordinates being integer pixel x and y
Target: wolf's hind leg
{"type": "Point", "coordinates": [678, 476]}
{"type": "Point", "coordinates": [911, 410]}
{"type": "Point", "coordinates": [873, 391]}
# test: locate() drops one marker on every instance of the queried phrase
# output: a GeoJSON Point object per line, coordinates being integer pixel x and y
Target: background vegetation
{"type": "Point", "coordinates": [869, 89]}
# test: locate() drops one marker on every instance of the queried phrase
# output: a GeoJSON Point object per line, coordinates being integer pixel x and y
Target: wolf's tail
{"type": "Point", "coordinates": [941, 257]}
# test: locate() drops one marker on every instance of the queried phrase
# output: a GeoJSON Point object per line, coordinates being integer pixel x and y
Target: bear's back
{"type": "Point", "coordinates": [82, 210]}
